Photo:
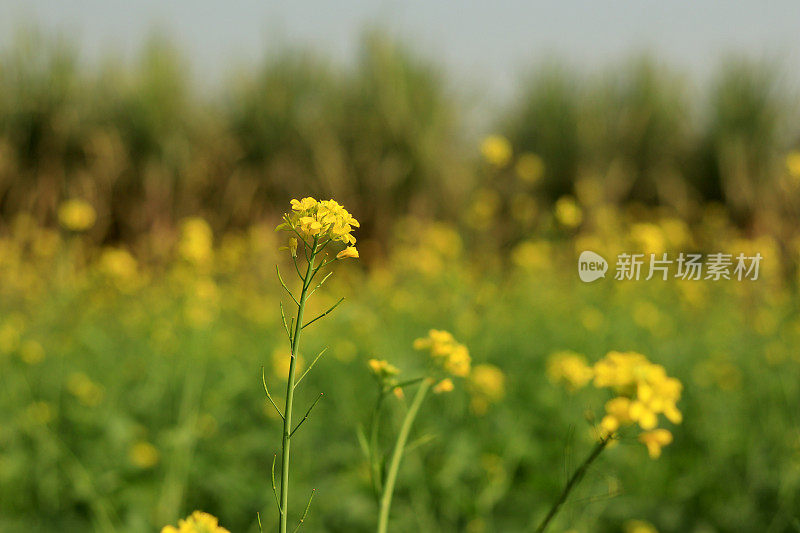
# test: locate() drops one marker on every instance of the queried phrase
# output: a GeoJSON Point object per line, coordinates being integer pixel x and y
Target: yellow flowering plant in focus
{"type": "Point", "coordinates": [642, 393]}
{"type": "Point", "coordinates": [316, 227]}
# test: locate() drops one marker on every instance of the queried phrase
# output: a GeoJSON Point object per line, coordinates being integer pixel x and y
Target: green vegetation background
{"type": "Point", "coordinates": [142, 401]}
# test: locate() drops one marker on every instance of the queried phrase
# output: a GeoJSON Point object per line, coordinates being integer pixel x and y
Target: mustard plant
{"type": "Point", "coordinates": [314, 226]}
{"type": "Point", "coordinates": [642, 391]}
{"type": "Point", "coordinates": [448, 358]}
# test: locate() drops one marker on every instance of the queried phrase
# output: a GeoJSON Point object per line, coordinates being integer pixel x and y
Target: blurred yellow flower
{"type": "Point", "coordinates": [496, 150]}
{"type": "Point", "coordinates": [40, 412]}
{"type": "Point", "coordinates": [77, 215]}
{"type": "Point", "coordinates": [446, 385]}
{"type": "Point", "coordinates": [655, 440]}
{"type": "Point", "coordinates": [196, 240]}
{"type": "Point", "coordinates": [618, 414]}
{"type": "Point", "coordinates": [143, 455]}
{"type": "Point", "coordinates": [488, 381]}
{"type": "Point", "coordinates": [487, 385]}
{"type": "Point", "coordinates": [31, 352]}
{"type": "Point", "coordinates": [568, 213]}
{"type": "Point", "coordinates": [569, 368]}
{"type": "Point", "coordinates": [529, 167]}
{"type": "Point", "coordinates": [82, 387]}
{"type": "Point", "coordinates": [793, 163]}
{"type": "Point", "coordinates": [119, 265]}
{"type": "Point", "coordinates": [451, 355]}
{"type": "Point", "coordinates": [382, 369]}
{"type": "Point", "coordinates": [198, 522]}
{"type": "Point", "coordinates": [349, 252]}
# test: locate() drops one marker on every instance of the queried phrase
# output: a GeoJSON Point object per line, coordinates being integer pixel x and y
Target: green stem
{"type": "Point", "coordinates": [577, 476]}
{"type": "Point", "coordinates": [374, 463]}
{"type": "Point", "coordinates": [397, 455]}
{"type": "Point", "coordinates": [287, 414]}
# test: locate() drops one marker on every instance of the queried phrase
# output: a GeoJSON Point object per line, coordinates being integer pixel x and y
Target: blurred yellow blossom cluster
{"type": "Point", "coordinates": [77, 215]}
{"type": "Point", "coordinates": [487, 385]}
{"type": "Point", "coordinates": [198, 522]}
{"type": "Point", "coordinates": [446, 352]}
{"type": "Point", "coordinates": [643, 391]}
{"type": "Point", "coordinates": [496, 150]}
{"type": "Point", "coordinates": [324, 220]}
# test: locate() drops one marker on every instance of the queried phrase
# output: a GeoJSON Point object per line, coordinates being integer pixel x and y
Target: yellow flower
{"type": "Point", "coordinates": [618, 414]}
{"type": "Point", "coordinates": [143, 455]}
{"type": "Point", "coordinates": [529, 167]}
{"type": "Point", "coordinates": [323, 220]}
{"type": "Point", "coordinates": [349, 252]}
{"type": "Point", "coordinates": [488, 381]}
{"type": "Point", "coordinates": [84, 389]}
{"type": "Point", "coordinates": [639, 526]}
{"type": "Point", "coordinates": [570, 369]}
{"type": "Point", "coordinates": [196, 240]}
{"type": "Point", "coordinates": [445, 351]}
{"type": "Point", "coordinates": [568, 212]}
{"type": "Point", "coordinates": [198, 522]}
{"type": "Point", "coordinates": [655, 440]}
{"type": "Point", "coordinates": [496, 150]}
{"type": "Point", "coordinates": [119, 265]}
{"type": "Point", "coordinates": [31, 352]}
{"type": "Point", "coordinates": [446, 385]}
{"type": "Point", "coordinates": [487, 385]}
{"type": "Point", "coordinates": [382, 368]}
{"type": "Point", "coordinates": [793, 163]}
{"type": "Point", "coordinates": [77, 215]}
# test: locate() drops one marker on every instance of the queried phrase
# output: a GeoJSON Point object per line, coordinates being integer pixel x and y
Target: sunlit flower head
{"type": "Point", "coordinates": [323, 221]}
{"type": "Point", "coordinates": [198, 522]}
{"type": "Point", "coordinates": [77, 215]}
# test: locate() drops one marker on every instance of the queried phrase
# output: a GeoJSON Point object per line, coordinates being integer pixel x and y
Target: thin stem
{"type": "Point", "coordinates": [329, 311]}
{"type": "Point", "coordinates": [306, 415]}
{"type": "Point", "coordinates": [287, 416]}
{"type": "Point", "coordinates": [314, 362]}
{"type": "Point", "coordinates": [397, 455]}
{"type": "Point", "coordinates": [577, 476]}
{"type": "Point", "coordinates": [374, 464]}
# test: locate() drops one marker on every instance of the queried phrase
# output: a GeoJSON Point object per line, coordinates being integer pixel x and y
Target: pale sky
{"type": "Point", "coordinates": [487, 43]}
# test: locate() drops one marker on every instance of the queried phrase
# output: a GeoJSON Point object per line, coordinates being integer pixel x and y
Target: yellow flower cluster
{"type": "Point", "coordinates": [382, 369]}
{"type": "Point", "coordinates": [198, 522]}
{"type": "Point", "coordinates": [643, 391]}
{"type": "Point", "coordinates": [451, 355]}
{"type": "Point", "coordinates": [324, 220]}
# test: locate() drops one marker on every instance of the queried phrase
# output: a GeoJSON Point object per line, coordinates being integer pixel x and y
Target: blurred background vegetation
{"type": "Point", "coordinates": [388, 134]}
{"type": "Point", "coordinates": [138, 303]}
